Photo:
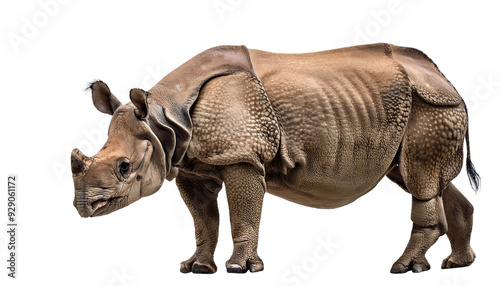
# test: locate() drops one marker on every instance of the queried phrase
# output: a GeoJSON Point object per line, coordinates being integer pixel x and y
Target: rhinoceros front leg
{"type": "Point", "coordinates": [245, 188]}
{"type": "Point", "coordinates": [201, 200]}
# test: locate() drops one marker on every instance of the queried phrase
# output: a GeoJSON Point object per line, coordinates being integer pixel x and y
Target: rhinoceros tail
{"type": "Point", "coordinates": [474, 178]}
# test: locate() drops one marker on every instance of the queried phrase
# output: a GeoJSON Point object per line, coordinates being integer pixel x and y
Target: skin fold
{"type": "Point", "coordinates": [318, 129]}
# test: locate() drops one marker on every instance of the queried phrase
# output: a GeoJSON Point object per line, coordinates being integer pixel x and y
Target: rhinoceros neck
{"type": "Point", "coordinates": [171, 99]}
{"type": "Point", "coordinates": [181, 86]}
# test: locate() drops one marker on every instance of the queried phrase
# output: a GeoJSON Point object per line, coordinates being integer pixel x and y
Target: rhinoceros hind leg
{"type": "Point", "coordinates": [431, 157]}
{"type": "Point", "coordinates": [429, 222]}
{"type": "Point", "coordinates": [428, 225]}
{"type": "Point", "coordinates": [459, 216]}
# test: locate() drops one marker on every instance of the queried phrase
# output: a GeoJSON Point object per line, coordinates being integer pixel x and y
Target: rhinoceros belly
{"type": "Point", "coordinates": [342, 130]}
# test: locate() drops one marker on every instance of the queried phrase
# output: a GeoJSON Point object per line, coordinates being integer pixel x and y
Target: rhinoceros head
{"type": "Point", "coordinates": [130, 165]}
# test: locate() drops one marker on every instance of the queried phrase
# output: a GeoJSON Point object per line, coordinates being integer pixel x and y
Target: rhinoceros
{"type": "Point", "coordinates": [318, 129]}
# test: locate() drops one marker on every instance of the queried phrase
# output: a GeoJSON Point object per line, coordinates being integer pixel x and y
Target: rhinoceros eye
{"type": "Point", "coordinates": [125, 168]}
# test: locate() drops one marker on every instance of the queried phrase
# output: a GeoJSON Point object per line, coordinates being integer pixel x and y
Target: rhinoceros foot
{"type": "Point", "coordinates": [459, 259]}
{"type": "Point", "coordinates": [242, 265]}
{"type": "Point", "coordinates": [198, 265]}
{"type": "Point", "coordinates": [414, 266]}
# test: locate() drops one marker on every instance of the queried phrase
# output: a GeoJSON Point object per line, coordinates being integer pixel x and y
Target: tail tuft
{"type": "Point", "coordinates": [474, 178]}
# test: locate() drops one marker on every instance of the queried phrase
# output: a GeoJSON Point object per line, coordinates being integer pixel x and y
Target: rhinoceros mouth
{"type": "Point", "coordinates": [99, 206]}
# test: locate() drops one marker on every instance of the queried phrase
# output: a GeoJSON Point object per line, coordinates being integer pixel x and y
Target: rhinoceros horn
{"type": "Point", "coordinates": [79, 162]}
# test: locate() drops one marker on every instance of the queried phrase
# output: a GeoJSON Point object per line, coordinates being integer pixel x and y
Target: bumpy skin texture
{"type": "Point", "coordinates": [319, 129]}
{"type": "Point", "coordinates": [244, 127]}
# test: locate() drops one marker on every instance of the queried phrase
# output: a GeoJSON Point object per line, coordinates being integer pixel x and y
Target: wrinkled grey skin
{"type": "Point", "coordinates": [319, 129]}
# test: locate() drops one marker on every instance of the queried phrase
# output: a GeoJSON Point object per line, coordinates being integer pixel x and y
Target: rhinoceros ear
{"type": "Point", "coordinates": [103, 99]}
{"type": "Point", "coordinates": [139, 99]}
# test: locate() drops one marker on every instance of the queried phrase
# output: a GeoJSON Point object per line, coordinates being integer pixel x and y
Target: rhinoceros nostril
{"type": "Point", "coordinates": [86, 205]}
{"type": "Point", "coordinates": [84, 210]}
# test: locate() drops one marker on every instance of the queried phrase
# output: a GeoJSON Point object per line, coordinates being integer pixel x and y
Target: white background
{"type": "Point", "coordinates": [50, 52]}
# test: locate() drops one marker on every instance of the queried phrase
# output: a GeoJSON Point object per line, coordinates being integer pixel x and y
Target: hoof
{"type": "Point", "coordinates": [398, 268]}
{"type": "Point", "coordinates": [256, 267]}
{"type": "Point", "coordinates": [417, 268]}
{"type": "Point", "coordinates": [195, 266]}
{"type": "Point", "coordinates": [457, 260]}
{"type": "Point", "coordinates": [235, 268]}
{"type": "Point", "coordinates": [252, 265]}
{"type": "Point", "coordinates": [203, 268]}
